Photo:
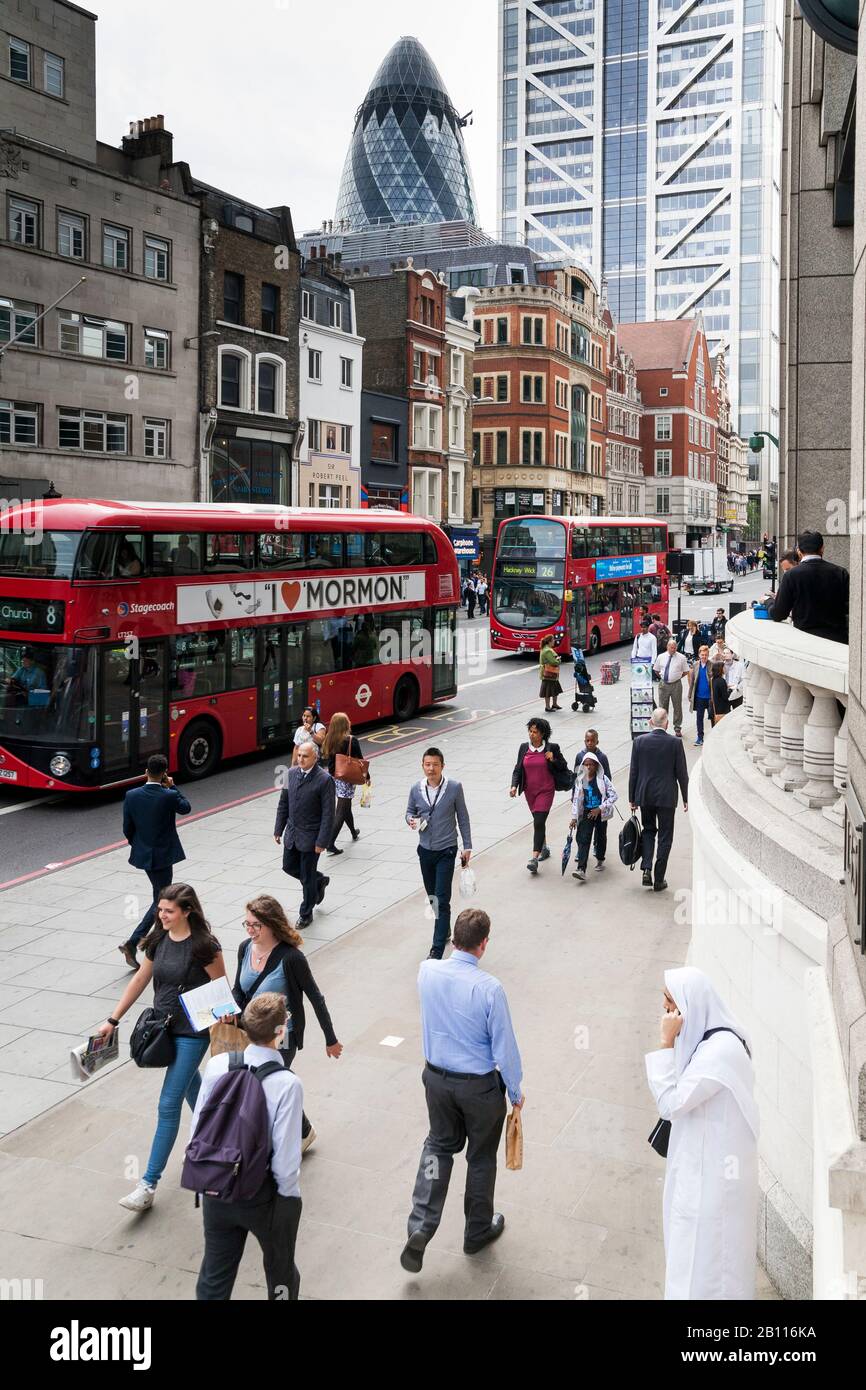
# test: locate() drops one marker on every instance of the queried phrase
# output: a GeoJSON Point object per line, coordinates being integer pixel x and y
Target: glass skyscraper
{"type": "Point", "coordinates": [645, 137]}
{"type": "Point", "coordinates": [407, 160]}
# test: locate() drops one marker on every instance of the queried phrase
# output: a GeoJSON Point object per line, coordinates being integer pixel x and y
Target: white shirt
{"type": "Point", "coordinates": [284, 1097]}
{"type": "Point", "coordinates": [645, 647]}
{"type": "Point", "coordinates": [432, 794]}
{"type": "Point", "coordinates": [305, 735]}
{"type": "Point", "coordinates": [679, 666]}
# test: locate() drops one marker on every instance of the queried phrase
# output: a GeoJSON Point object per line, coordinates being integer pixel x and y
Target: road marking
{"type": "Point", "coordinates": [391, 1041]}
{"type": "Point", "coordinates": [488, 680]}
{"type": "Point", "coordinates": [23, 805]}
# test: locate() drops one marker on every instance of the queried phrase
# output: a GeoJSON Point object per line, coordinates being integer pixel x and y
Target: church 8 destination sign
{"type": "Point", "coordinates": [31, 615]}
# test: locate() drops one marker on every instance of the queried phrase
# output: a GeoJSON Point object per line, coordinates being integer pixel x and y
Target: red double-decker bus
{"type": "Point", "coordinates": [582, 581]}
{"type": "Point", "coordinates": [202, 631]}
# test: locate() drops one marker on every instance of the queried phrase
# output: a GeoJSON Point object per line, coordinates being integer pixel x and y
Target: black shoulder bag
{"type": "Point", "coordinates": [661, 1135]}
{"type": "Point", "coordinates": [152, 1041]}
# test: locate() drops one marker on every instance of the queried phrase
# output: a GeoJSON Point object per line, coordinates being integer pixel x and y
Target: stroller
{"type": "Point", "coordinates": [584, 693]}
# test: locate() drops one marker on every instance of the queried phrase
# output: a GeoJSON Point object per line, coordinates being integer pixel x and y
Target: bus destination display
{"type": "Point", "coordinates": [31, 615]}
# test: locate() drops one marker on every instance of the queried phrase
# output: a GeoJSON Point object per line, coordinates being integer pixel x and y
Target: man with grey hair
{"type": "Point", "coordinates": [658, 767]}
{"type": "Point", "coordinates": [671, 669]}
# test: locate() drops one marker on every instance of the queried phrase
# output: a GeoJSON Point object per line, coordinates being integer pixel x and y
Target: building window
{"type": "Point", "coordinates": [532, 389]}
{"type": "Point", "coordinates": [155, 439]}
{"type": "Point", "coordinates": [335, 313]}
{"type": "Point", "coordinates": [330, 495]}
{"type": "Point", "coordinates": [93, 431]}
{"type": "Point", "coordinates": [314, 365]}
{"type": "Point", "coordinates": [663, 463]}
{"type": "Point", "coordinates": [426, 427]}
{"type": "Point", "coordinates": [455, 494]}
{"type": "Point", "coordinates": [19, 423]}
{"type": "Point", "coordinates": [19, 60]}
{"type": "Point", "coordinates": [427, 493]}
{"type": "Point", "coordinates": [234, 370]}
{"type": "Point", "coordinates": [383, 442]}
{"type": "Point", "coordinates": [233, 297]}
{"type": "Point", "coordinates": [23, 222]}
{"type": "Point", "coordinates": [270, 309]}
{"type": "Point", "coordinates": [418, 366]}
{"type": "Point", "coordinates": [156, 258]}
{"type": "Point", "coordinates": [71, 235]}
{"type": "Point", "coordinates": [314, 434]}
{"type": "Point", "coordinates": [243, 222]}
{"type": "Point", "coordinates": [502, 330]}
{"type": "Point", "coordinates": [533, 330]}
{"type": "Point", "coordinates": [596, 407]}
{"type": "Point", "coordinates": [562, 393]}
{"type": "Point", "coordinates": [266, 388]}
{"type": "Point", "coordinates": [502, 383]}
{"type": "Point", "coordinates": [157, 348]}
{"type": "Point", "coordinates": [663, 390]}
{"type": "Point", "coordinates": [663, 499]}
{"type": "Point", "coordinates": [532, 447]}
{"type": "Point", "coordinates": [346, 439]}
{"type": "Point", "coordinates": [456, 368]}
{"type": "Point", "coordinates": [346, 372]}
{"type": "Point", "coordinates": [53, 75]}
{"type": "Point", "coordinates": [308, 304]}
{"type": "Point", "coordinates": [331, 438]}
{"type": "Point", "coordinates": [664, 427]}
{"type": "Point", "coordinates": [456, 433]}
{"type": "Point", "coordinates": [502, 447]}
{"type": "Point", "coordinates": [18, 317]}
{"type": "Point", "coordinates": [115, 247]}
{"type": "Point", "coordinates": [92, 337]}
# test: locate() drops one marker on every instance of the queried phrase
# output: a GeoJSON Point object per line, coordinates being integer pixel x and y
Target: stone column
{"type": "Point", "coordinates": [836, 812]}
{"type": "Point", "coordinates": [792, 730]}
{"type": "Point", "coordinates": [819, 742]}
{"type": "Point", "coordinates": [760, 684]}
{"type": "Point", "coordinates": [768, 757]}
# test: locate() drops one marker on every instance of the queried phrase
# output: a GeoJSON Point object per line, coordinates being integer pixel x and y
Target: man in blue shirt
{"type": "Point", "coordinates": [699, 690]}
{"type": "Point", "coordinates": [472, 1062]}
{"type": "Point", "coordinates": [29, 676]}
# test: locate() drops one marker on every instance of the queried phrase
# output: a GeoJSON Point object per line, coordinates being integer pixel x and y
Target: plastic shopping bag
{"type": "Point", "coordinates": [366, 796]}
{"type": "Point", "coordinates": [468, 884]}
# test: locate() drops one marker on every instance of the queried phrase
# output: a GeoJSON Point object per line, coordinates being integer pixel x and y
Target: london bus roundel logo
{"type": "Point", "coordinates": [363, 696]}
{"type": "Point", "coordinates": [123, 610]}
{"type": "Point", "coordinates": [610, 623]}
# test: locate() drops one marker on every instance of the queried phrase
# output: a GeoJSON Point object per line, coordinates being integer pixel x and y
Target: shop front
{"type": "Point", "coordinates": [328, 480]}
{"type": "Point", "coordinates": [249, 467]}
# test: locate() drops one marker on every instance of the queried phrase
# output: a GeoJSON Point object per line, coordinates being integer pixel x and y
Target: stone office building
{"type": "Point", "coordinates": [99, 251]}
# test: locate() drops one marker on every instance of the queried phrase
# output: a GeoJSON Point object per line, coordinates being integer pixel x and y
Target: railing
{"type": "Point", "coordinates": [793, 729]}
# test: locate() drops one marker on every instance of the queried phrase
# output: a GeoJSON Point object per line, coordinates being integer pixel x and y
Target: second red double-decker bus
{"type": "Point", "coordinates": [582, 581]}
{"type": "Point", "coordinates": [202, 631]}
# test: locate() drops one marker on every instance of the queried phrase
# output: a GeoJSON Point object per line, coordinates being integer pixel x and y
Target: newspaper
{"type": "Point", "coordinates": [93, 1055]}
{"type": "Point", "coordinates": [209, 1003]}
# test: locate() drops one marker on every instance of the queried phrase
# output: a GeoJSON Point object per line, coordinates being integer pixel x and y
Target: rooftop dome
{"type": "Point", "coordinates": [406, 161]}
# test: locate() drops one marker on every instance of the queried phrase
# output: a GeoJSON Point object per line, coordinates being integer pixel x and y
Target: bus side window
{"type": "Point", "coordinates": [198, 665]}
{"type": "Point", "coordinates": [129, 557]}
{"type": "Point", "coordinates": [578, 543]}
{"type": "Point", "coordinates": [96, 556]}
{"type": "Point", "coordinates": [355, 548]}
{"type": "Point", "coordinates": [242, 648]}
{"type": "Point", "coordinates": [431, 554]}
{"type": "Point", "coordinates": [279, 550]}
{"type": "Point", "coordinates": [176, 553]}
{"type": "Point", "coordinates": [229, 552]}
{"type": "Point", "coordinates": [325, 550]}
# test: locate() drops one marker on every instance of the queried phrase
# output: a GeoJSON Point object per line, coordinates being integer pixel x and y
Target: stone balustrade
{"type": "Point", "coordinates": [795, 726]}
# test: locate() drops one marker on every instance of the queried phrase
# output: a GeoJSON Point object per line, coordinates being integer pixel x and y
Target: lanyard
{"type": "Point", "coordinates": [432, 804]}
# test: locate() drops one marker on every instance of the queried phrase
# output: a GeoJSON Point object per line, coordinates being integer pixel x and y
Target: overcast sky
{"type": "Point", "coordinates": [261, 95]}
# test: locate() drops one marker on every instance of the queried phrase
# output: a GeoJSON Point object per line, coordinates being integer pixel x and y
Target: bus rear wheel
{"type": "Point", "coordinates": [199, 752]}
{"type": "Point", "coordinates": [594, 642]}
{"type": "Point", "coordinates": [406, 699]}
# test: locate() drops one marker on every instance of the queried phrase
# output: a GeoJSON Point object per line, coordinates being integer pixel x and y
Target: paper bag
{"type": "Point", "coordinates": [514, 1141]}
{"type": "Point", "coordinates": [227, 1037]}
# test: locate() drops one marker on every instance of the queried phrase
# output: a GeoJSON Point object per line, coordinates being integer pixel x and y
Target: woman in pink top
{"type": "Point", "coordinates": [540, 769]}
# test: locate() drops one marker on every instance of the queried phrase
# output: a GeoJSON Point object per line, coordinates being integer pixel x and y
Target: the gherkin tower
{"type": "Point", "coordinates": [407, 160]}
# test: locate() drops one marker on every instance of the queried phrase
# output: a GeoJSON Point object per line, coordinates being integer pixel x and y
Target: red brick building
{"type": "Point", "coordinates": [679, 430]}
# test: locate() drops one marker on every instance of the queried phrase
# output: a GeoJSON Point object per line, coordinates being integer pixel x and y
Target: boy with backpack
{"type": "Point", "coordinates": [244, 1157]}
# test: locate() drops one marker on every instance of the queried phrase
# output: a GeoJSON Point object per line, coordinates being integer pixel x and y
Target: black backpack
{"type": "Point", "coordinates": [630, 841]}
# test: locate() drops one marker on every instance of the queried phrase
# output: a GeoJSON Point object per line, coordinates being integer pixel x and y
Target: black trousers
{"type": "Point", "coordinates": [661, 818]}
{"type": "Point", "coordinates": [470, 1112]}
{"type": "Point", "coordinates": [159, 878]}
{"type": "Point", "coordinates": [539, 830]}
{"type": "Point", "coordinates": [274, 1223]}
{"type": "Point", "coordinates": [343, 816]}
{"type": "Point", "coordinates": [586, 831]}
{"type": "Point", "coordinates": [304, 866]}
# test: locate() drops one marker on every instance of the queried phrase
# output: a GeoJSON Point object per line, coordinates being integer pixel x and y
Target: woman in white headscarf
{"type": "Point", "coordinates": [703, 1081]}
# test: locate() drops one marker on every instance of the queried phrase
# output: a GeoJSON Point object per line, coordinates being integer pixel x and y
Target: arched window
{"type": "Point", "coordinates": [234, 378]}
{"type": "Point", "coordinates": [270, 385]}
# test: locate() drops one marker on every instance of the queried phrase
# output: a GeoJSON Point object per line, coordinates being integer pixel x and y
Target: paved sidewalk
{"type": "Point", "coordinates": [582, 965]}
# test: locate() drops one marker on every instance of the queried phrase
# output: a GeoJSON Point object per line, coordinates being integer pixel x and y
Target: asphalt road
{"type": "Point", "coordinates": [38, 831]}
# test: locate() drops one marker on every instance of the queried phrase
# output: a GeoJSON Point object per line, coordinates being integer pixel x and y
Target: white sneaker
{"type": "Point", "coordinates": [308, 1141]}
{"type": "Point", "coordinates": [599, 866]}
{"type": "Point", "coordinates": [139, 1200]}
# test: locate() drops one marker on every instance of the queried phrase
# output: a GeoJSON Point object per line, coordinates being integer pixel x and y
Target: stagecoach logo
{"type": "Point", "coordinates": [141, 610]}
{"type": "Point", "coordinates": [204, 603]}
{"type": "Point", "coordinates": [123, 610]}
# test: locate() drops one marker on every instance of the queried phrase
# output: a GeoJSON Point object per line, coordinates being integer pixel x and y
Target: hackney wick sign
{"type": "Point", "coordinates": [207, 603]}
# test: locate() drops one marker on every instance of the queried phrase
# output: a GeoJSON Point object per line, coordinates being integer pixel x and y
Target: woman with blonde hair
{"type": "Point", "coordinates": [270, 961]}
{"type": "Point", "coordinates": [340, 739]}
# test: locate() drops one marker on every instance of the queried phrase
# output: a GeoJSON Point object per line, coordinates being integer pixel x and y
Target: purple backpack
{"type": "Point", "coordinates": [229, 1155]}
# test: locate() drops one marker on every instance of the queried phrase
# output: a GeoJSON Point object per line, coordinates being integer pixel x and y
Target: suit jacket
{"type": "Point", "coordinates": [149, 825]}
{"type": "Point", "coordinates": [815, 594]}
{"type": "Point", "coordinates": [658, 764]}
{"type": "Point", "coordinates": [305, 812]}
{"type": "Point", "coordinates": [518, 776]}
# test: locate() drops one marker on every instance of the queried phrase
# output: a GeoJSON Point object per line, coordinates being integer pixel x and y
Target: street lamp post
{"type": "Point", "coordinates": [756, 444]}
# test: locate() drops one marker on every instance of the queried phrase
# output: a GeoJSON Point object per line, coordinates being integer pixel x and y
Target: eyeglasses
{"type": "Point", "coordinates": [249, 925]}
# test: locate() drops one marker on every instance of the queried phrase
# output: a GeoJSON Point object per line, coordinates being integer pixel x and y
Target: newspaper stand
{"type": "Point", "coordinates": [642, 700]}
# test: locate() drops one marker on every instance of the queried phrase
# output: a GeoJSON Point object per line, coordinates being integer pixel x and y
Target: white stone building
{"type": "Point", "coordinates": [331, 357]}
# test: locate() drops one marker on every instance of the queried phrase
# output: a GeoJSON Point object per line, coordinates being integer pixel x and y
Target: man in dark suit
{"type": "Point", "coordinates": [149, 814]}
{"type": "Point", "coordinates": [658, 764]}
{"type": "Point", "coordinates": [305, 820]}
{"type": "Point", "coordinates": [814, 592]}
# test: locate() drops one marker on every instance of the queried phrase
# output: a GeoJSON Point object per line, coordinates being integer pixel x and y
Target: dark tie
{"type": "Point", "coordinates": [667, 675]}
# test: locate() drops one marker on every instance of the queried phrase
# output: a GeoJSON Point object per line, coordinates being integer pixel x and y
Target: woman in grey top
{"type": "Point", "coordinates": [180, 953]}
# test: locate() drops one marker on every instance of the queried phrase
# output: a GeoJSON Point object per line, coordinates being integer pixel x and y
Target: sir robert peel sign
{"type": "Point", "coordinates": [205, 603]}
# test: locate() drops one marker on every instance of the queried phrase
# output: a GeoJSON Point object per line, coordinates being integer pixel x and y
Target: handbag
{"type": "Point", "coordinates": [514, 1141]}
{"type": "Point", "coordinates": [152, 1041]}
{"type": "Point", "coordinates": [660, 1138]}
{"type": "Point", "coordinates": [631, 842]}
{"type": "Point", "coordinates": [227, 1037]}
{"type": "Point", "coordinates": [355, 771]}
{"type": "Point", "coordinates": [550, 673]}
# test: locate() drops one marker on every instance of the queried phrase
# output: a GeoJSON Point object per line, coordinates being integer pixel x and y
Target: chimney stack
{"type": "Point", "coordinates": [148, 139]}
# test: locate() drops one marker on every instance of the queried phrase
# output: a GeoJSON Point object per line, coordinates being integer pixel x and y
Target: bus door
{"type": "Point", "coordinates": [281, 680]}
{"type": "Point", "coordinates": [134, 702]}
{"type": "Point", "coordinates": [626, 615]}
{"type": "Point", "coordinates": [577, 617]}
{"type": "Point", "coordinates": [444, 653]}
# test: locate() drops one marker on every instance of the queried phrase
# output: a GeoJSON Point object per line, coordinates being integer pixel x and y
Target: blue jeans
{"type": "Point", "coordinates": [701, 707]}
{"type": "Point", "coordinates": [181, 1080]}
{"type": "Point", "coordinates": [437, 871]}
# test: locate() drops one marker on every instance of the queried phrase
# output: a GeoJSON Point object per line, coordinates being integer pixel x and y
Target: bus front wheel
{"type": "Point", "coordinates": [406, 699]}
{"type": "Point", "coordinates": [199, 750]}
{"type": "Point", "coordinates": [594, 642]}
